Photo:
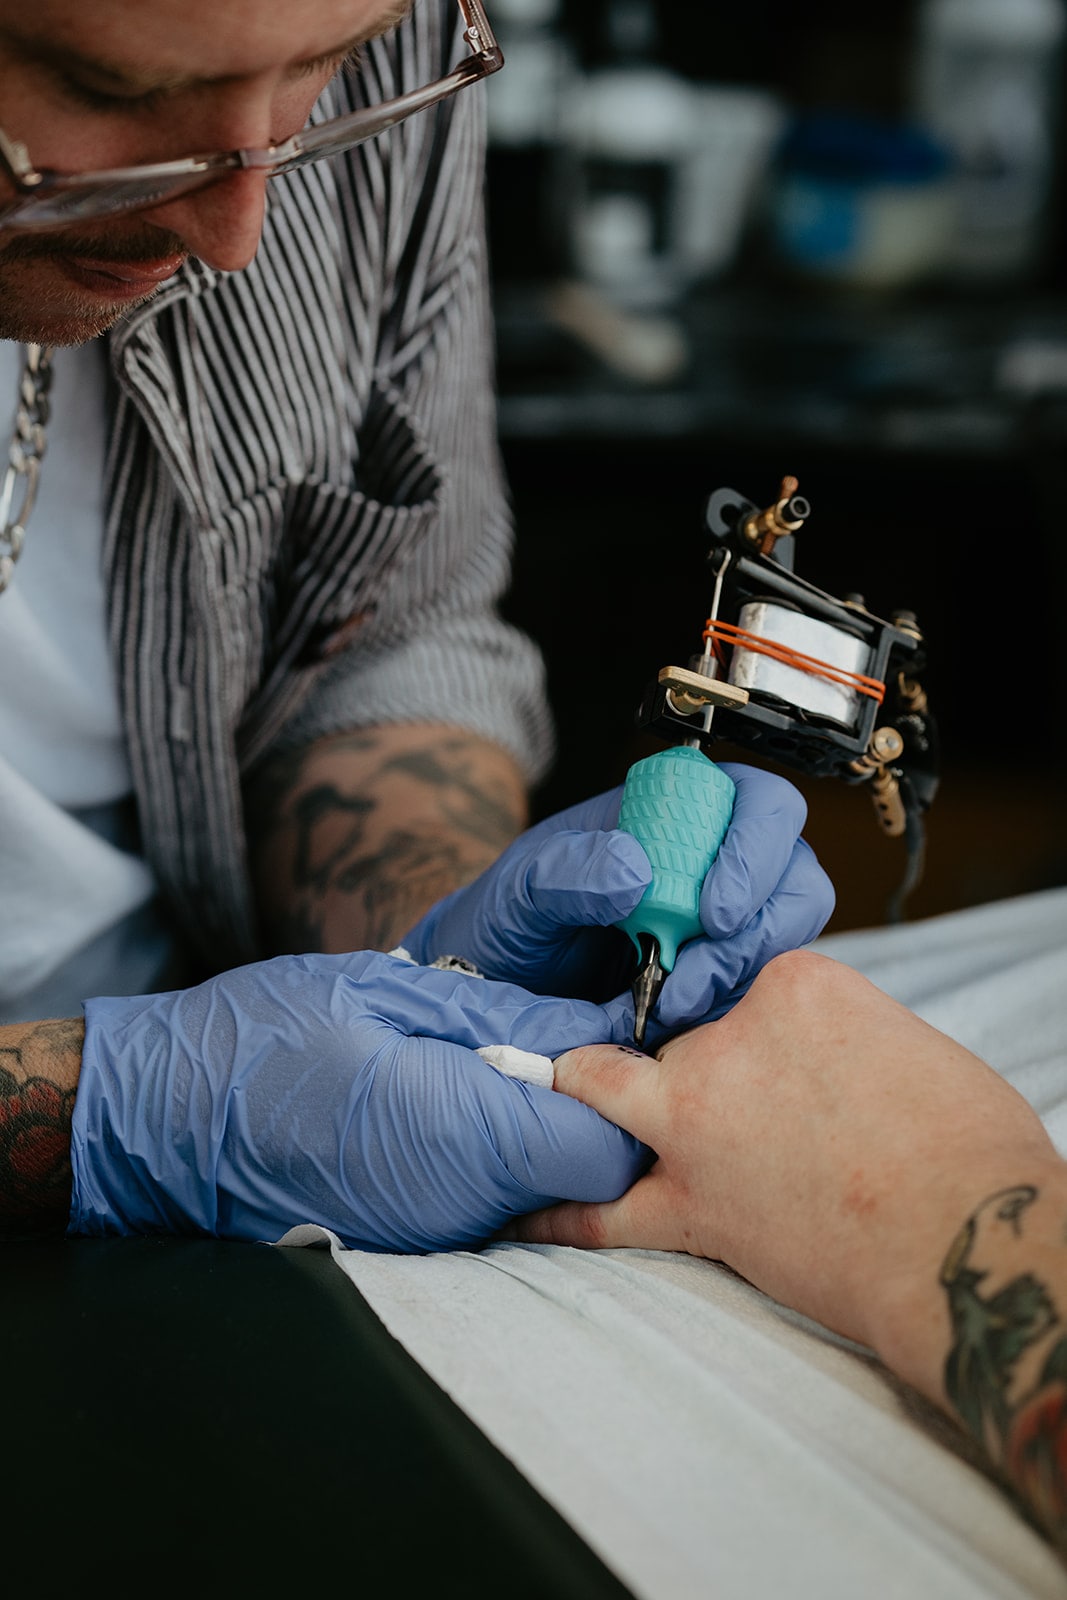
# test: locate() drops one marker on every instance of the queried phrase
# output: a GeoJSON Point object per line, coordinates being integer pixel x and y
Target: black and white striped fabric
{"type": "Point", "coordinates": [308, 527]}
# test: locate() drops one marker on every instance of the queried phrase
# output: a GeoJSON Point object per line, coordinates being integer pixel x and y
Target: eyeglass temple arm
{"type": "Point", "coordinates": [486, 57]}
{"type": "Point", "coordinates": [15, 163]}
{"type": "Point", "coordinates": [478, 33]}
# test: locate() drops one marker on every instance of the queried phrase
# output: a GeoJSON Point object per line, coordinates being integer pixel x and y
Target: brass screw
{"type": "Point", "coordinates": [889, 807]}
{"type": "Point", "coordinates": [907, 623]}
{"type": "Point", "coordinates": [765, 527]}
{"type": "Point", "coordinates": [913, 694]}
{"type": "Point", "coordinates": [886, 745]}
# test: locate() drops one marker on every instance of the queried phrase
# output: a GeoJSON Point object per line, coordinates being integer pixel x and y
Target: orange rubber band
{"type": "Point", "coordinates": [720, 633]}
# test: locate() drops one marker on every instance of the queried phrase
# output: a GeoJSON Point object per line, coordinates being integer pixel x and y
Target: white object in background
{"type": "Point", "coordinates": [1033, 365]}
{"type": "Point", "coordinates": [524, 101]}
{"type": "Point", "coordinates": [736, 134]}
{"type": "Point", "coordinates": [628, 132]}
{"type": "Point", "coordinates": [662, 176]}
{"type": "Point", "coordinates": [659, 171]}
{"type": "Point", "coordinates": [526, 13]}
{"type": "Point", "coordinates": [988, 82]}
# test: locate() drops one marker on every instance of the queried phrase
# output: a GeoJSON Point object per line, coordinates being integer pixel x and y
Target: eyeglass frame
{"type": "Point", "coordinates": [36, 186]}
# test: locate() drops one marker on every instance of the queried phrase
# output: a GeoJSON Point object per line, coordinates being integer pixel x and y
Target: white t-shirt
{"type": "Point", "coordinates": [78, 915]}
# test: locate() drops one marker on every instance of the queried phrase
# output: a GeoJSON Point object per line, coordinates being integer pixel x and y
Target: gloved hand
{"type": "Point", "coordinates": [342, 1090]}
{"type": "Point", "coordinates": [541, 915]}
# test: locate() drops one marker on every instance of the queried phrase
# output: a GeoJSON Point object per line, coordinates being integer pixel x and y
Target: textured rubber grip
{"type": "Point", "coordinates": [677, 804]}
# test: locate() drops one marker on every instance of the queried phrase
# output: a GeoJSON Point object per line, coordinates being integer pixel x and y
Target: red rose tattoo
{"type": "Point", "coordinates": [35, 1174]}
{"type": "Point", "coordinates": [1035, 1453]}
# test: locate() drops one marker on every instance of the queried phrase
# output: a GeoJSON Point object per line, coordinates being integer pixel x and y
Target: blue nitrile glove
{"type": "Point", "coordinates": [765, 893]}
{"type": "Point", "coordinates": [342, 1090]}
{"type": "Point", "coordinates": [541, 915]}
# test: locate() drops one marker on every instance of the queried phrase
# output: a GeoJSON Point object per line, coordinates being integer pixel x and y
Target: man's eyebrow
{"type": "Point", "coordinates": [391, 19]}
{"type": "Point", "coordinates": [137, 81]}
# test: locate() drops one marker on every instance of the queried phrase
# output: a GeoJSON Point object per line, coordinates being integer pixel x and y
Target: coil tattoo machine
{"type": "Point", "coordinates": [812, 682]}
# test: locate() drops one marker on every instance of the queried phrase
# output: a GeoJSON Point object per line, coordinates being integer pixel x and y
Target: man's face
{"type": "Point", "coordinates": [115, 83]}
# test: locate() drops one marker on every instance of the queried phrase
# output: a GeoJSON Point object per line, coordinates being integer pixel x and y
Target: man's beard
{"type": "Point", "coordinates": [45, 306]}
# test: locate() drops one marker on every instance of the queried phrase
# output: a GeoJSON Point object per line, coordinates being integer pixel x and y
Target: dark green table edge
{"type": "Point", "coordinates": [197, 1417]}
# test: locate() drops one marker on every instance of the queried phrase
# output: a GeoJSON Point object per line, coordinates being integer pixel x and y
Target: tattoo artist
{"type": "Point", "coordinates": [260, 722]}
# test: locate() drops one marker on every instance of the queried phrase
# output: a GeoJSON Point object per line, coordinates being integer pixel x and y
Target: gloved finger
{"type": "Point", "coordinates": [554, 1146]}
{"type": "Point", "coordinates": [575, 880]}
{"type": "Point", "coordinates": [619, 1017]}
{"type": "Point", "coordinates": [469, 1148]}
{"type": "Point", "coordinates": [768, 815]}
{"type": "Point", "coordinates": [710, 975]}
{"type": "Point", "coordinates": [595, 815]}
{"type": "Point", "coordinates": [468, 1011]}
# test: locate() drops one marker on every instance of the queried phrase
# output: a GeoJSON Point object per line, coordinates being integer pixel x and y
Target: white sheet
{"type": "Point", "coordinates": [703, 1440]}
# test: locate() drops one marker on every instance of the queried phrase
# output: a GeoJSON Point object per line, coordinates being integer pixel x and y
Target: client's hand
{"type": "Point", "coordinates": [821, 1139]}
{"type": "Point", "coordinates": [868, 1171]}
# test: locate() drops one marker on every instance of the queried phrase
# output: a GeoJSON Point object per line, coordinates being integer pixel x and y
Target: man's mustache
{"type": "Point", "coordinates": [145, 245]}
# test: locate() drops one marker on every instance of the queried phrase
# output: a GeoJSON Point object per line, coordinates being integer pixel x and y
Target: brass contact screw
{"type": "Point", "coordinates": [788, 513]}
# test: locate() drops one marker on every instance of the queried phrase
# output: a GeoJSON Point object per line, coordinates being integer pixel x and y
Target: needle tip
{"type": "Point", "coordinates": [646, 987]}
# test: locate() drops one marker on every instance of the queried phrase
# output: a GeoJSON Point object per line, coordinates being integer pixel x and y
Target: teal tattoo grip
{"type": "Point", "coordinates": [677, 804]}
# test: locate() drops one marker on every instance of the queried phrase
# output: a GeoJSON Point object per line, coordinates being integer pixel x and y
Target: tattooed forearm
{"type": "Point", "coordinates": [1006, 1372]}
{"type": "Point", "coordinates": [354, 838]}
{"type": "Point", "coordinates": [38, 1075]}
{"type": "Point", "coordinates": [387, 882]}
{"type": "Point", "coordinates": [485, 814]}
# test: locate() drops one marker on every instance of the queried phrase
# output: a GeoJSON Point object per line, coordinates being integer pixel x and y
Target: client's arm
{"type": "Point", "coordinates": [865, 1169]}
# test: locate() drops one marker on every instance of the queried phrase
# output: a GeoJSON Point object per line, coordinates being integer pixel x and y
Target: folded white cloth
{"type": "Point", "coordinates": [524, 1064]}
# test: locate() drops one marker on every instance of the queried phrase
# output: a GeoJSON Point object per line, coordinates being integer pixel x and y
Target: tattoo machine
{"type": "Point", "coordinates": [818, 684]}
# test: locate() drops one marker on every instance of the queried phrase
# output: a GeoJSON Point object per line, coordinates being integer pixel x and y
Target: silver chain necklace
{"type": "Point", "coordinates": [19, 489]}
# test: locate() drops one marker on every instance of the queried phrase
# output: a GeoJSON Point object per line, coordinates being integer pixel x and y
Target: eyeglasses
{"type": "Point", "coordinates": [47, 199]}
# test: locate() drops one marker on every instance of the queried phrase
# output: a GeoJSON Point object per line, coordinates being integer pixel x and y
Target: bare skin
{"type": "Point", "coordinates": [863, 1168]}
{"type": "Point", "coordinates": [120, 82]}
{"type": "Point", "coordinates": [357, 836]}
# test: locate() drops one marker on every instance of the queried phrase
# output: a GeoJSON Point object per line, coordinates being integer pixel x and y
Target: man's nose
{"type": "Point", "coordinates": [220, 225]}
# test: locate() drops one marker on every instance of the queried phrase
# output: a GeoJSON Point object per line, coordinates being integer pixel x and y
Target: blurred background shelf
{"type": "Point", "coordinates": [922, 407]}
{"type": "Point", "coordinates": [926, 376]}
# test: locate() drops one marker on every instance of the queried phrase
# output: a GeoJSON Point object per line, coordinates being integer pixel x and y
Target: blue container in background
{"type": "Point", "coordinates": [862, 201]}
